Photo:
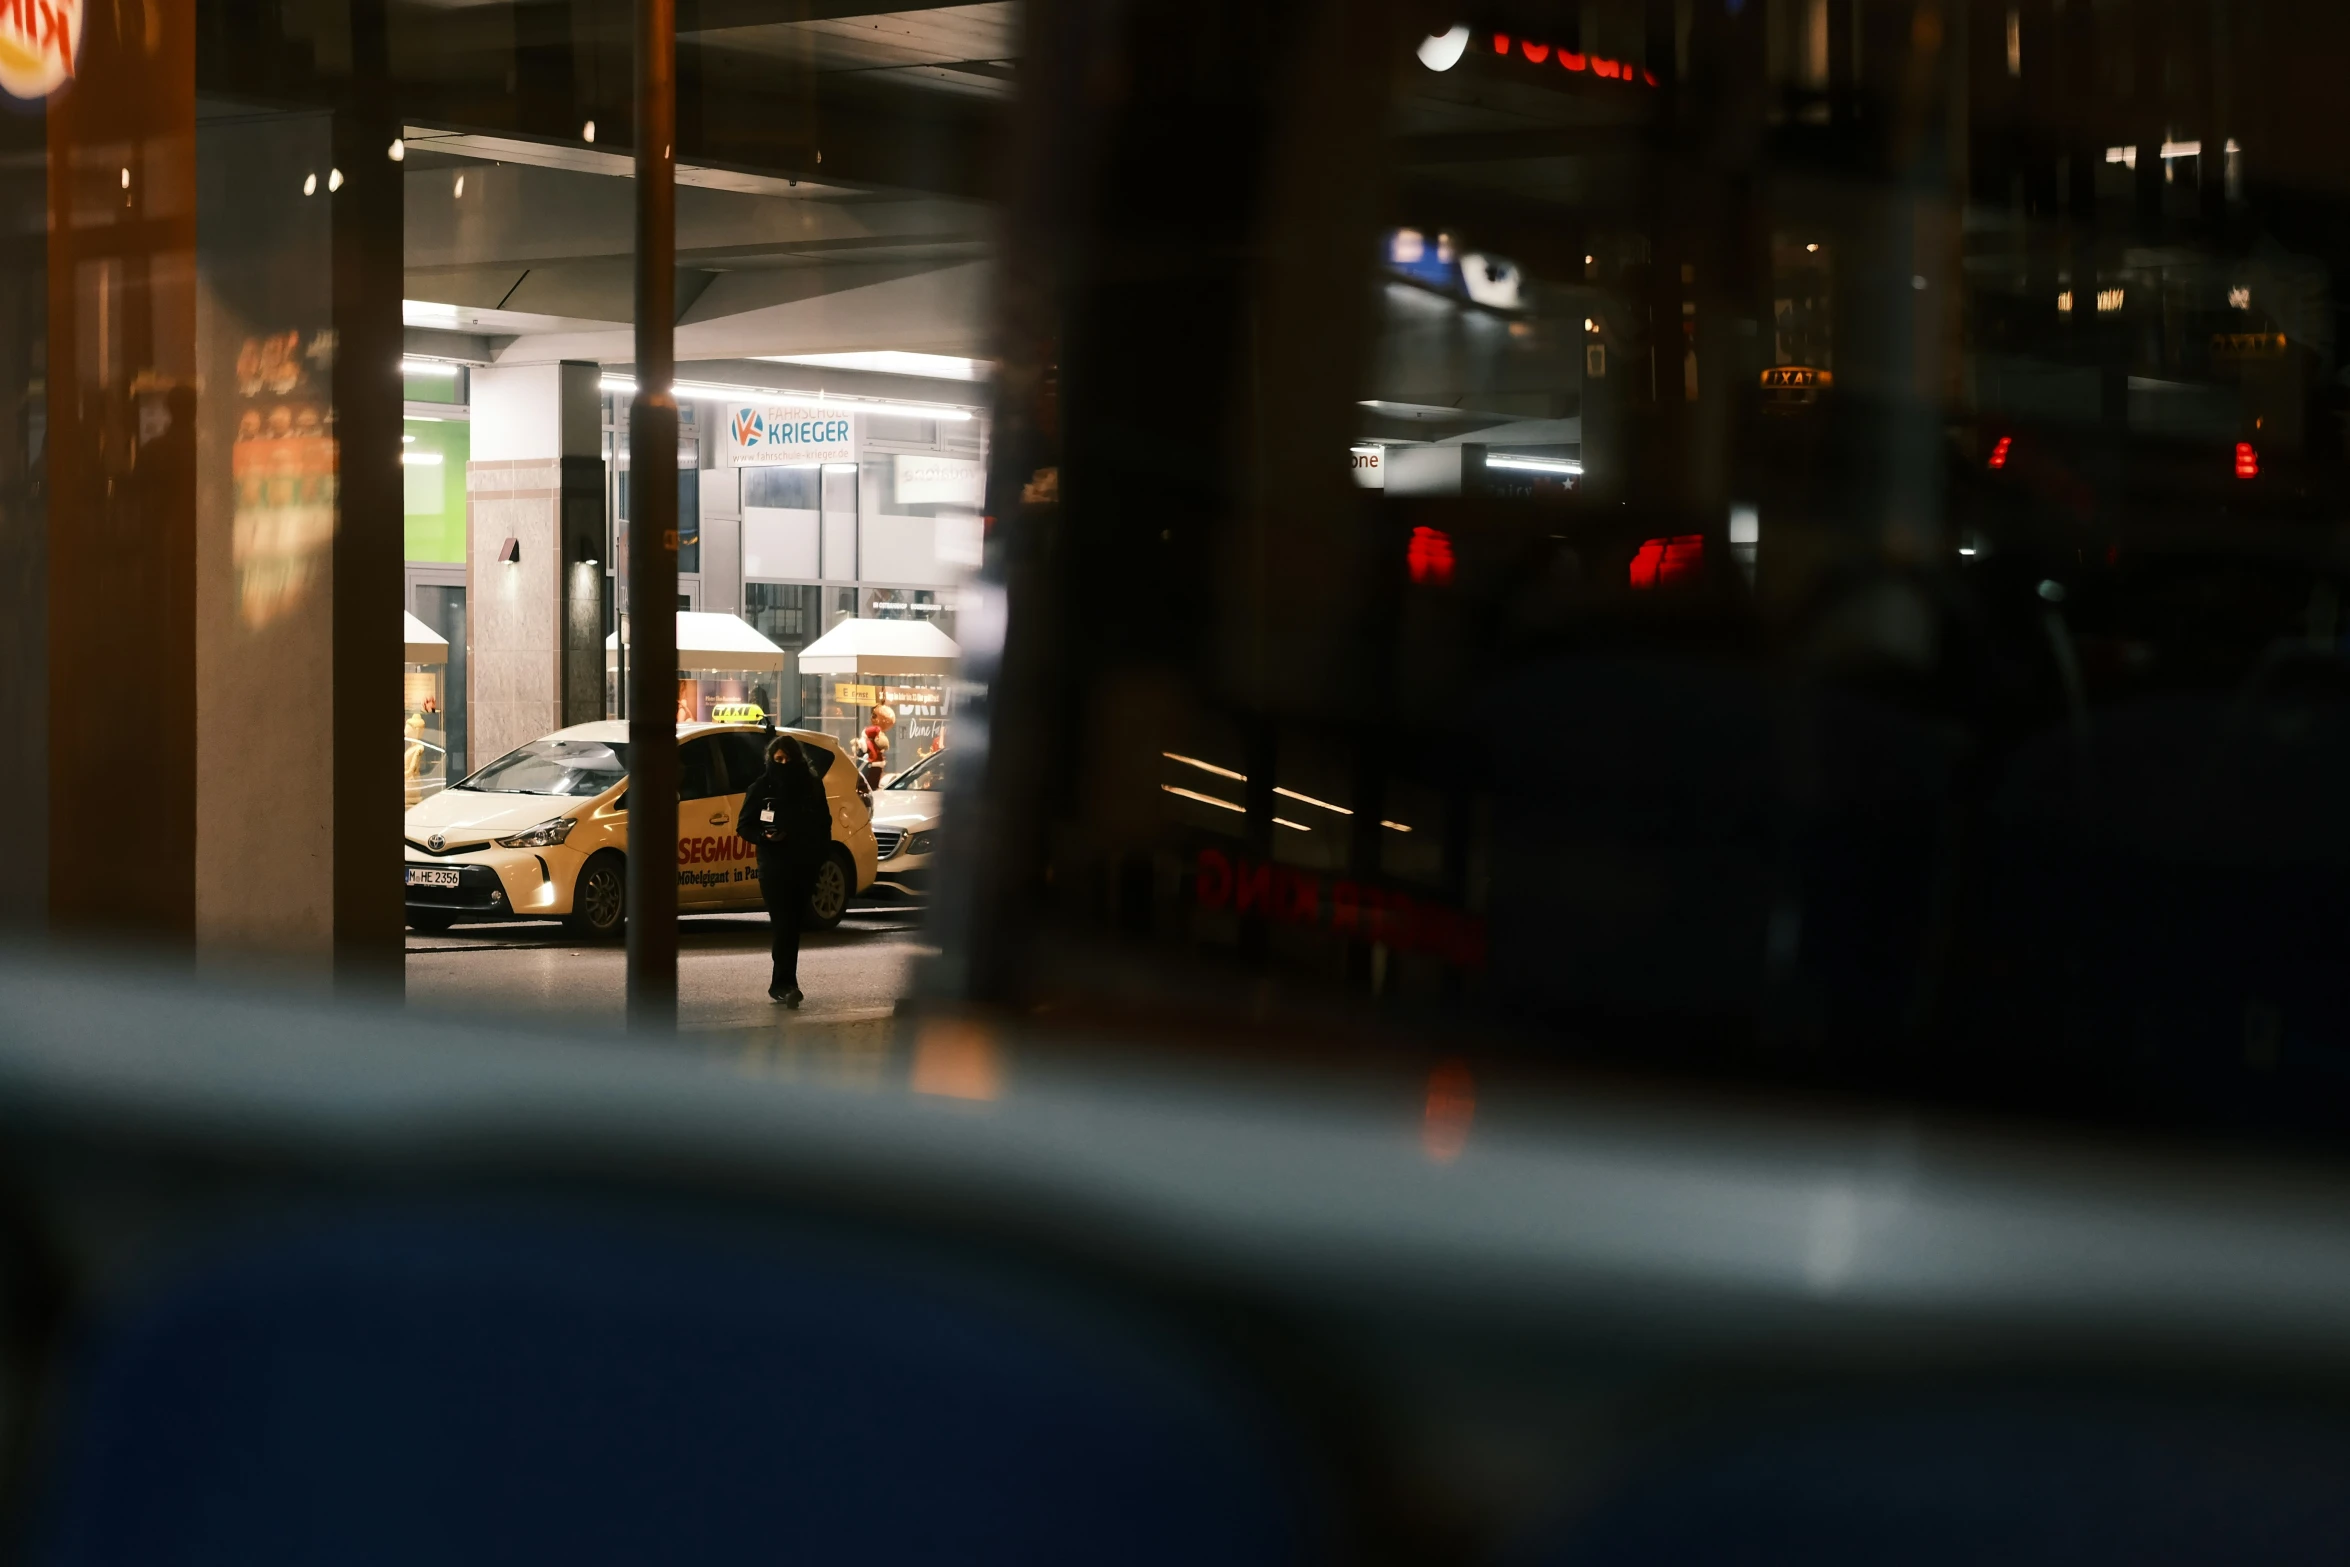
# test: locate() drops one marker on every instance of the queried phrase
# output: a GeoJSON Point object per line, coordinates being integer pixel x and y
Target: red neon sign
{"type": "Point", "coordinates": [1429, 555]}
{"type": "Point", "coordinates": [1659, 561]}
{"type": "Point", "coordinates": [1598, 65]}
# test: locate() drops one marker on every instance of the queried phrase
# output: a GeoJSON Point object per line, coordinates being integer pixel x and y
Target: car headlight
{"type": "Point", "coordinates": [922, 842]}
{"type": "Point", "coordinates": [545, 835]}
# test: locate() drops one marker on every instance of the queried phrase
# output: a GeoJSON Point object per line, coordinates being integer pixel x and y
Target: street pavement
{"type": "Point", "coordinates": [853, 976]}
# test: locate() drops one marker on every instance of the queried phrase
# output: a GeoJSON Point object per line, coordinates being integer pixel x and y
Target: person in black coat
{"type": "Point", "coordinates": [787, 818]}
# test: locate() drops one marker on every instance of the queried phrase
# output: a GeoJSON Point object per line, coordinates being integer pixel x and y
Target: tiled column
{"type": "Point", "coordinates": [534, 530]}
{"type": "Point", "coordinates": [514, 662]}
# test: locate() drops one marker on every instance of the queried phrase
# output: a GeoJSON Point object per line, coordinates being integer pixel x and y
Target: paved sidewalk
{"type": "Point", "coordinates": [853, 976]}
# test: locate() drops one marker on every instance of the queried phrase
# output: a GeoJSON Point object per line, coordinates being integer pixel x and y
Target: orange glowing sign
{"type": "Point", "coordinates": [39, 40]}
{"type": "Point", "coordinates": [1450, 1111]}
{"type": "Point", "coordinates": [957, 1060]}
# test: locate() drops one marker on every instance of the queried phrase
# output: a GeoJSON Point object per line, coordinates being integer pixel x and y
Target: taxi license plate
{"type": "Point", "coordinates": [431, 878]}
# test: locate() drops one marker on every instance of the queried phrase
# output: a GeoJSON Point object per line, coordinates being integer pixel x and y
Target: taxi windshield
{"type": "Point", "coordinates": [574, 768]}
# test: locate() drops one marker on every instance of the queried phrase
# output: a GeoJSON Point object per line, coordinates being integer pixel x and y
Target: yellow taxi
{"type": "Point", "coordinates": [542, 832]}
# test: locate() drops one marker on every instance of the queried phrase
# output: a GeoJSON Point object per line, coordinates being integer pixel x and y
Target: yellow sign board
{"type": "Point", "coordinates": [850, 694]}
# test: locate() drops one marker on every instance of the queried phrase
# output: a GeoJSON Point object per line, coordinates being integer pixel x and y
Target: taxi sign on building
{"type": "Point", "coordinates": [39, 41]}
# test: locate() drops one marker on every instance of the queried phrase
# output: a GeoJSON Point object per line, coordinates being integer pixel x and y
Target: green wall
{"type": "Point", "coordinates": [434, 499]}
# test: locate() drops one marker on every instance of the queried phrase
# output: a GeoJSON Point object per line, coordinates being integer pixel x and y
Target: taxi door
{"type": "Point", "coordinates": [707, 865]}
{"type": "Point", "coordinates": [746, 758]}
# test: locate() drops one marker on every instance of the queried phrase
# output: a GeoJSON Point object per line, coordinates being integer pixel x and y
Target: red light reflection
{"type": "Point", "coordinates": [1535, 52]}
{"type": "Point", "coordinates": [1999, 452]}
{"type": "Point", "coordinates": [1429, 555]}
{"type": "Point", "coordinates": [2247, 461]}
{"type": "Point", "coordinates": [1450, 1110]}
{"type": "Point", "coordinates": [1659, 561]}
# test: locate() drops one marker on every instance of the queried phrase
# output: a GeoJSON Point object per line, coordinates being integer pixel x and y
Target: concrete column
{"type": "Point", "coordinates": [121, 391]}
{"type": "Point", "coordinates": [296, 582]}
{"type": "Point", "coordinates": [224, 448]}
{"type": "Point", "coordinates": [534, 510]}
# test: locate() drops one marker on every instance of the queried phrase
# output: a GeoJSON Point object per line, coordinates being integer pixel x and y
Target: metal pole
{"type": "Point", "coordinates": [652, 535]}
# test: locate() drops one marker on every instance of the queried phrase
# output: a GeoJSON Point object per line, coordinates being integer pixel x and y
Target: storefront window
{"type": "Point", "coordinates": [786, 615]}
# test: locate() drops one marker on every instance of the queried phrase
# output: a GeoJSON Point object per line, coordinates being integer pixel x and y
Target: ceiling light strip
{"type": "Point", "coordinates": [855, 405]}
{"type": "Point", "coordinates": [1205, 767]}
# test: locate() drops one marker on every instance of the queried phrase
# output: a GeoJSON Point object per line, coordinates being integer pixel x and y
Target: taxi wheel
{"type": "Point", "coordinates": [599, 900]}
{"type": "Point", "coordinates": [828, 895]}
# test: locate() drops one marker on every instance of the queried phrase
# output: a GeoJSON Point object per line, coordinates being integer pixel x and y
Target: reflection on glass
{"type": "Point", "coordinates": [577, 768]}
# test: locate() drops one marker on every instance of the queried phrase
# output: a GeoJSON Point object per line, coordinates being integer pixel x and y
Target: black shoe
{"type": "Point", "coordinates": [777, 993]}
{"type": "Point", "coordinates": [792, 999]}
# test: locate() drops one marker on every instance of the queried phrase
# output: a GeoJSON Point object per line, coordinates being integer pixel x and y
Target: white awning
{"type": "Point", "coordinates": [709, 641]}
{"type": "Point", "coordinates": [881, 647]}
{"type": "Point", "coordinates": [425, 645]}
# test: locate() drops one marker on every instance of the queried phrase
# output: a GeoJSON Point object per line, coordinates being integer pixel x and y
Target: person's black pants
{"type": "Point", "coordinates": [784, 885]}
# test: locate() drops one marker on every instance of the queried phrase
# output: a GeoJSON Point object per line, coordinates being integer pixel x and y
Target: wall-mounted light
{"type": "Point", "coordinates": [334, 179]}
{"type": "Point", "coordinates": [587, 132]}
{"type": "Point", "coordinates": [1443, 51]}
{"type": "Point", "coordinates": [510, 553]}
{"type": "Point", "coordinates": [398, 152]}
{"type": "Point", "coordinates": [309, 184]}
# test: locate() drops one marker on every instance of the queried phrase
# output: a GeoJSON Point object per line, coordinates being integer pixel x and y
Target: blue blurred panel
{"type": "Point", "coordinates": [2017, 1481]}
{"type": "Point", "coordinates": [422, 1388]}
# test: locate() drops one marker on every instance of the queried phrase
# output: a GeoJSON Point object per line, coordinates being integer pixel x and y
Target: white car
{"type": "Point", "coordinates": [542, 832]}
{"type": "Point", "coordinates": [905, 824]}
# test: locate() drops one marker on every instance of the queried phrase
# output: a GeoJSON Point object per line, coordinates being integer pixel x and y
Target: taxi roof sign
{"type": "Point", "coordinates": [1796, 378]}
{"type": "Point", "coordinates": [737, 713]}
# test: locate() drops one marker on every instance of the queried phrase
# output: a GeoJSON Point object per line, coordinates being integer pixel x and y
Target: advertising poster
{"type": "Point", "coordinates": [283, 465]}
{"type": "Point", "coordinates": [764, 435]}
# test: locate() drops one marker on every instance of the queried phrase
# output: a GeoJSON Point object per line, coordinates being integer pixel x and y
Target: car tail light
{"type": "Point", "coordinates": [1668, 560]}
{"type": "Point", "coordinates": [2247, 461]}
